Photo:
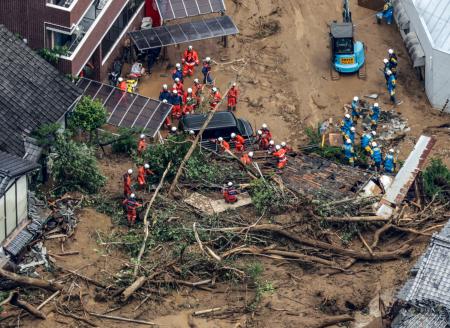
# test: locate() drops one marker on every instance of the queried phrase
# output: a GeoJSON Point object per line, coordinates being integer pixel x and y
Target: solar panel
{"type": "Point", "coordinates": [172, 9]}
{"type": "Point", "coordinates": [127, 109]}
{"type": "Point", "coordinates": [186, 32]}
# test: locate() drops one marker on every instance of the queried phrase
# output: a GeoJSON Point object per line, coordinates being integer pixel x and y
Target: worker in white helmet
{"type": "Point", "coordinates": [173, 130]}
{"type": "Point", "coordinates": [393, 62]}
{"type": "Point", "coordinates": [206, 71]}
{"type": "Point", "coordinates": [189, 60]}
{"type": "Point", "coordinates": [164, 93]}
{"type": "Point", "coordinates": [127, 183]}
{"type": "Point", "coordinates": [215, 98]}
{"type": "Point", "coordinates": [366, 140]}
{"type": "Point", "coordinates": [391, 85]}
{"type": "Point", "coordinates": [142, 145]}
{"type": "Point", "coordinates": [246, 158]}
{"type": "Point", "coordinates": [271, 148]}
{"type": "Point", "coordinates": [122, 84]}
{"type": "Point", "coordinates": [230, 193]}
{"type": "Point", "coordinates": [232, 97]}
{"type": "Point", "coordinates": [223, 145]}
{"type": "Point", "coordinates": [346, 125]}
{"type": "Point", "coordinates": [131, 205]}
{"type": "Point", "coordinates": [143, 173]}
{"type": "Point", "coordinates": [239, 142]}
{"type": "Point", "coordinates": [280, 155]}
{"type": "Point", "coordinates": [177, 72]}
{"type": "Point", "coordinates": [376, 156]}
{"type": "Point", "coordinates": [356, 110]}
{"type": "Point", "coordinates": [374, 116]}
{"type": "Point", "coordinates": [349, 152]}
{"type": "Point", "coordinates": [266, 132]}
{"type": "Point", "coordinates": [286, 147]}
{"type": "Point", "coordinates": [389, 161]}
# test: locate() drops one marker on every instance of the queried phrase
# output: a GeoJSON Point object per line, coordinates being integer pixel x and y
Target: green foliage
{"type": "Point", "coordinates": [53, 55]}
{"type": "Point", "coordinates": [263, 287]}
{"type": "Point", "coordinates": [315, 139]}
{"type": "Point", "coordinates": [46, 134]}
{"type": "Point", "coordinates": [88, 115]}
{"type": "Point", "coordinates": [126, 143]}
{"type": "Point", "coordinates": [254, 271]}
{"type": "Point", "coordinates": [75, 167]}
{"type": "Point", "coordinates": [436, 179]}
{"type": "Point", "coordinates": [267, 197]}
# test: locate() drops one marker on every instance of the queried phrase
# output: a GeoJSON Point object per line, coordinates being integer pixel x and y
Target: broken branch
{"type": "Point", "coordinates": [27, 281]}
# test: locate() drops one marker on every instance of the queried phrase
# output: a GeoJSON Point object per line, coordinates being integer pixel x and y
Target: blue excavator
{"type": "Point", "coordinates": [347, 55]}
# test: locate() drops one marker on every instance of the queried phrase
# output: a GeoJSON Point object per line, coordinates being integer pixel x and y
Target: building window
{"type": "Point", "coordinates": [119, 25]}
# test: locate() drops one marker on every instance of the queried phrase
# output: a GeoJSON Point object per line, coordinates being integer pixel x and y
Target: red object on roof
{"type": "Point", "coordinates": [151, 10]}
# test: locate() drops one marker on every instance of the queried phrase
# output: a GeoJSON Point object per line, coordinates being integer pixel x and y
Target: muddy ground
{"type": "Point", "coordinates": [286, 84]}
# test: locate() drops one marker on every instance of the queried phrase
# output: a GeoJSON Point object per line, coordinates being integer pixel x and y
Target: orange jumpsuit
{"type": "Point", "coordinates": [267, 133]}
{"type": "Point", "coordinates": [246, 160]}
{"type": "Point", "coordinates": [230, 195]}
{"type": "Point", "coordinates": [232, 97]}
{"type": "Point", "coordinates": [197, 89]}
{"type": "Point", "coordinates": [281, 157]}
{"type": "Point", "coordinates": [179, 87]}
{"type": "Point", "coordinates": [189, 106]}
{"type": "Point", "coordinates": [189, 60]}
{"type": "Point", "coordinates": [123, 86]}
{"type": "Point", "coordinates": [131, 206]}
{"type": "Point", "coordinates": [239, 143]}
{"type": "Point", "coordinates": [143, 173]}
{"type": "Point", "coordinates": [216, 98]}
{"type": "Point", "coordinates": [224, 145]}
{"type": "Point", "coordinates": [142, 145]}
{"type": "Point", "coordinates": [126, 184]}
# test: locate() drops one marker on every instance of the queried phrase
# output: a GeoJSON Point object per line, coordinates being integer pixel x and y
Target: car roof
{"type": "Point", "coordinates": [219, 120]}
{"type": "Point", "coordinates": [341, 30]}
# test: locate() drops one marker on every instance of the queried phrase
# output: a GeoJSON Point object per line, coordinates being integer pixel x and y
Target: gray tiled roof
{"type": "Point", "coordinates": [420, 318]}
{"type": "Point", "coordinates": [32, 93]}
{"type": "Point", "coordinates": [12, 166]}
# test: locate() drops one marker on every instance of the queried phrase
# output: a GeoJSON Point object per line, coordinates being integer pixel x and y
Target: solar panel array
{"type": "Point", "coordinates": [126, 109]}
{"type": "Point", "coordinates": [172, 9]}
{"type": "Point", "coordinates": [186, 32]}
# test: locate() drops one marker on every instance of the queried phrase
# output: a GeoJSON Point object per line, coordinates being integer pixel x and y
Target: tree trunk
{"type": "Point", "coordinates": [26, 281]}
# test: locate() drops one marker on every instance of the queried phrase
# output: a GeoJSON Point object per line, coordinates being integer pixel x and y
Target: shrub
{"type": "Point", "coordinates": [53, 55]}
{"type": "Point", "coordinates": [46, 134]}
{"type": "Point", "coordinates": [436, 179]}
{"type": "Point", "coordinates": [266, 196]}
{"type": "Point", "coordinates": [88, 116]}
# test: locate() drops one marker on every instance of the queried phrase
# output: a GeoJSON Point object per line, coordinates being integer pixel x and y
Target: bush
{"type": "Point", "coordinates": [267, 197]}
{"type": "Point", "coordinates": [75, 167]}
{"type": "Point", "coordinates": [46, 134]}
{"type": "Point", "coordinates": [88, 116]}
{"type": "Point", "coordinates": [126, 143]}
{"type": "Point", "coordinates": [53, 55]}
{"type": "Point", "coordinates": [436, 179]}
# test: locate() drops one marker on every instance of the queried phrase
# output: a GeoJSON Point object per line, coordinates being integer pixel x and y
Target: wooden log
{"type": "Point", "coordinates": [142, 322]}
{"type": "Point", "coordinates": [26, 306]}
{"type": "Point", "coordinates": [207, 311]}
{"type": "Point", "coordinates": [378, 233]}
{"type": "Point", "coordinates": [92, 281]}
{"type": "Point", "coordinates": [27, 281]}
{"type": "Point", "coordinates": [332, 321]}
{"type": "Point", "coordinates": [356, 219]}
{"type": "Point", "coordinates": [77, 317]}
{"type": "Point", "coordinates": [48, 300]}
{"type": "Point", "coordinates": [133, 287]}
{"type": "Point", "coordinates": [209, 252]}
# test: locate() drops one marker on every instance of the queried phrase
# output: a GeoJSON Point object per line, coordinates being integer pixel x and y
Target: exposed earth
{"type": "Point", "coordinates": [285, 83]}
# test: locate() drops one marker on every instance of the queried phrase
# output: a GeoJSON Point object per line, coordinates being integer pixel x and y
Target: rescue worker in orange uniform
{"type": "Point", "coordinates": [224, 146]}
{"type": "Point", "coordinates": [271, 148]}
{"type": "Point", "coordinates": [286, 147]}
{"type": "Point", "coordinates": [263, 141]}
{"type": "Point", "coordinates": [197, 90]}
{"type": "Point", "coordinates": [216, 97]}
{"type": "Point", "coordinates": [189, 60]}
{"type": "Point", "coordinates": [131, 204]}
{"type": "Point", "coordinates": [239, 142]}
{"type": "Point", "coordinates": [176, 102]}
{"type": "Point", "coordinates": [266, 131]}
{"type": "Point", "coordinates": [280, 154]}
{"type": "Point", "coordinates": [167, 121]}
{"type": "Point", "coordinates": [246, 159]}
{"type": "Point", "coordinates": [122, 84]}
{"type": "Point", "coordinates": [189, 106]}
{"type": "Point", "coordinates": [143, 173]}
{"type": "Point", "coordinates": [232, 97]}
{"type": "Point", "coordinates": [178, 85]}
{"type": "Point", "coordinates": [230, 193]}
{"type": "Point", "coordinates": [142, 145]}
{"type": "Point", "coordinates": [127, 183]}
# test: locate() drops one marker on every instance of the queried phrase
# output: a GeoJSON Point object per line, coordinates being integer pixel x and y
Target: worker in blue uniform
{"type": "Point", "coordinates": [389, 162]}
{"type": "Point", "coordinates": [374, 116]}
{"type": "Point", "coordinates": [351, 134]}
{"type": "Point", "coordinates": [393, 62]}
{"type": "Point", "coordinates": [206, 71]}
{"type": "Point", "coordinates": [178, 72]}
{"type": "Point", "coordinates": [346, 124]}
{"type": "Point", "coordinates": [165, 93]}
{"type": "Point", "coordinates": [388, 12]}
{"type": "Point", "coordinates": [386, 68]}
{"type": "Point", "coordinates": [392, 83]}
{"type": "Point", "coordinates": [356, 110]}
{"type": "Point", "coordinates": [376, 156]}
{"type": "Point", "coordinates": [349, 152]}
{"type": "Point", "coordinates": [366, 141]}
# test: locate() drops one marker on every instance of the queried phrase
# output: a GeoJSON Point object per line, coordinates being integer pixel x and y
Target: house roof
{"type": "Point", "coordinates": [11, 167]}
{"type": "Point", "coordinates": [435, 16]}
{"type": "Point", "coordinates": [32, 93]}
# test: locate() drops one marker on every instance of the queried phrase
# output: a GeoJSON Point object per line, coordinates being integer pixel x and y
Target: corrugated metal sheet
{"type": "Point", "coordinates": [436, 17]}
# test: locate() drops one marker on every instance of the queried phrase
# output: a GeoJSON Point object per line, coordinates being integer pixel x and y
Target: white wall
{"type": "Point", "coordinates": [2, 219]}
{"type": "Point", "coordinates": [441, 80]}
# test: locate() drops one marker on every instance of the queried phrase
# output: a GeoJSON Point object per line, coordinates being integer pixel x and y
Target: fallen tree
{"type": "Point", "coordinates": [31, 282]}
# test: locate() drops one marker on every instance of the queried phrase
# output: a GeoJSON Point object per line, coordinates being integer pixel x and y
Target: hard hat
{"type": "Point", "coordinates": [374, 144]}
{"type": "Point", "coordinates": [250, 154]}
{"type": "Point", "coordinates": [190, 47]}
{"type": "Point", "coordinates": [220, 139]}
{"type": "Point", "coordinates": [347, 115]}
{"type": "Point", "coordinates": [277, 147]}
{"type": "Point", "coordinates": [165, 86]}
{"type": "Point", "coordinates": [391, 51]}
{"type": "Point", "coordinates": [165, 101]}
{"type": "Point", "coordinates": [130, 171]}
{"type": "Point", "coordinates": [388, 72]}
{"type": "Point", "coordinates": [146, 166]}
{"type": "Point", "coordinates": [259, 132]}
{"type": "Point", "coordinates": [391, 150]}
{"type": "Point", "coordinates": [385, 60]}
{"type": "Point", "coordinates": [214, 89]}
{"type": "Point", "coordinates": [230, 184]}
{"type": "Point", "coordinates": [120, 79]}
{"type": "Point", "coordinates": [283, 144]}
{"type": "Point", "coordinates": [271, 142]}
{"type": "Point", "coordinates": [374, 133]}
{"type": "Point", "coordinates": [173, 129]}
{"type": "Point", "coordinates": [234, 84]}
{"type": "Point", "coordinates": [264, 126]}
{"type": "Point", "coordinates": [175, 91]}
{"type": "Point", "coordinates": [375, 105]}
{"type": "Point", "coordinates": [196, 81]}
{"type": "Point", "coordinates": [348, 141]}
{"type": "Point", "coordinates": [208, 59]}
{"type": "Point", "coordinates": [142, 136]}
{"type": "Point", "coordinates": [352, 129]}
{"type": "Point", "coordinates": [132, 196]}
{"type": "Point", "coordinates": [191, 132]}
{"type": "Point", "coordinates": [233, 135]}
{"type": "Point", "coordinates": [178, 65]}
{"type": "Point", "coordinates": [177, 79]}
{"type": "Point", "coordinates": [355, 98]}
{"type": "Point", "coordinates": [189, 90]}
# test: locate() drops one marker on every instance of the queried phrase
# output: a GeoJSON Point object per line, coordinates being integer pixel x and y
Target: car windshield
{"type": "Point", "coordinates": [343, 46]}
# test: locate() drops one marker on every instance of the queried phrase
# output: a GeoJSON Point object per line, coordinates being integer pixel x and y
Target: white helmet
{"type": "Point", "coordinates": [374, 144]}
{"type": "Point", "coordinates": [375, 105]}
{"type": "Point", "coordinates": [347, 115]}
{"type": "Point", "coordinates": [374, 133]}
{"type": "Point", "coordinates": [230, 184]}
{"type": "Point", "coordinates": [177, 79]}
{"type": "Point", "coordinates": [250, 154]}
{"type": "Point", "coordinates": [142, 136]}
{"type": "Point", "coordinates": [385, 60]}
{"type": "Point", "coordinates": [132, 196]}
{"type": "Point", "coordinates": [388, 72]}
{"type": "Point", "coordinates": [233, 135]}
{"type": "Point", "coordinates": [355, 98]}
{"type": "Point", "coordinates": [120, 79]}
{"type": "Point", "coordinates": [165, 86]}
{"type": "Point", "coordinates": [352, 129]}
{"type": "Point", "coordinates": [190, 47]}
{"type": "Point", "coordinates": [146, 166]}
{"type": "Point", "coordinates": [191, 132]}
{"type": "Point", "coordinates": [165, 101]}
{"type": "Point", "coordinates": [189, 90]}
{"type": "Point", "coordinates": [264, 126]}
{"type": "Point", "coordinates": [277, 147]}
{"type": "Point", "coordinates": [391, 150]}
{"type": "Point", "coordinates": [173, 129]}
{"type": "Point", "coordinates": [178, 65]}
{"type": "Point", "coordinates": [175, 91]}
{"type": "Point", "coordinates": [283, 144]}
{"type": "Point", "coordinates": [208, 59]}
{"type": "Point", "coordinates": [196, 81]}
{"type": "Point", "coordinates": [348, 141]}
{"type": "Point", "coordinates": [391, 51]}
{"type": "Point", "coordinates": [271, 142]}
{"type": "Point", "coordinates": [214, 89]}
{"type": "Point", "coordinates": [234, 84]}
{"type": "Point", "coordinates": [220, 139]}
{"type": "Point", "coordinates": [259, 132]}
{"type": "Point", "coordinates": [130, 171]}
